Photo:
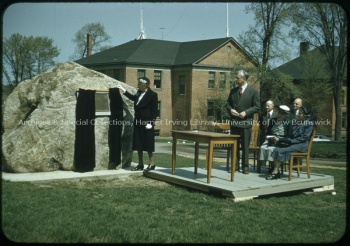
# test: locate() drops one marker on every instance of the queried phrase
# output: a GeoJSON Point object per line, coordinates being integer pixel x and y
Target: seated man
{"type": "Point", "coordinates": [265, 118]}
{"type": "Point", "coordinates": [279, 128]}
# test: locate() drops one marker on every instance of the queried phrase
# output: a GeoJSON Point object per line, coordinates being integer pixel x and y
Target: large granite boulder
{"type": "Point", "coordinates": [39, 121]}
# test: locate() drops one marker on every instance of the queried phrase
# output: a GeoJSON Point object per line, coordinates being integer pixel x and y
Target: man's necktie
{"type": "Point", "coordinates": [240, 91]}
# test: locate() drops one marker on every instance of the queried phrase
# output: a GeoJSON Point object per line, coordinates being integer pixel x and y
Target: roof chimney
{"type": "Point", "coordinates": [304, 48]}
{"type": "Point", "coordinates": [89, 44]}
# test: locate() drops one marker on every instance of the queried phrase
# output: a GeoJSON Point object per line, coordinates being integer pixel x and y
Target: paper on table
{"type": "Point", "coordinates": [270, 136]}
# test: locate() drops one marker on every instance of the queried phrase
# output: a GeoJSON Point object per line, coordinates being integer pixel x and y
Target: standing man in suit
{"type": "Point", "coordinates": [146, 112]}
{"type": "Point", "coordinates": [242, 103]}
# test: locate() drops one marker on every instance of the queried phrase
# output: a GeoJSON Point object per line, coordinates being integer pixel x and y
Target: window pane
{"type": "Point", "coordinates": [141, 73]}
{"type": "Point", "coordinates": [211, 80]}
{"type": "Point", "coordinates": [222, 84]}
{"type": "Point", "coordinates": [210, 108]}
{"type": "Point", "coordinates": [182, 85]}
{"type": "Point", "coordinates": [344, 122]}
{"type": "Point", "coordinates": [117, 74]}
{"type": "Point", "coordinates": [157, 79]}
{"type": "Point", "coordinates": [232, 83]}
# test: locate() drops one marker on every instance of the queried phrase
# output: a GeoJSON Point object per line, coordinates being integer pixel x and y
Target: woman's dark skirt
{"type": "Point", "coordinates": [143, 139]}
{"type": "Point", "coordinates": [282, 154]}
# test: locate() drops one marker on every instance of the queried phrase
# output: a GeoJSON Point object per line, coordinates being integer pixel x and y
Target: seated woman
{"type": "Point", "coordinates": [279, 128]}
{"type": "Point", "coordinates": [297, 141]}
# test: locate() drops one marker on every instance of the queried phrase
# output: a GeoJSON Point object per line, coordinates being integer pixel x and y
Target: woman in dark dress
{"type": "Point", "coordinates": [297, 141]}
{"type": "Point", "coordinates": [146, 112]}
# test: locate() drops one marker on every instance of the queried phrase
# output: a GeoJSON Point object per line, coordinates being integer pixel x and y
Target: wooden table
{"type": "Point", "coordinates": [211, 138]}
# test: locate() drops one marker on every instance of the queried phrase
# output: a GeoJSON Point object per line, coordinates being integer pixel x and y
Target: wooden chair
{"type": "Point", "coordinates": [223, 128]}
{"type": "Point", "coordinates": [254, 146]}
{"type": "Point", "coordinates": [296, 158]}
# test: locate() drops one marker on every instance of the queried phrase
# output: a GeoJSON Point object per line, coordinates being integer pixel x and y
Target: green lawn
{"type": "Point", "coordinates": [142, 210]}
{"type": "Point", "coordinates": [329, 150]}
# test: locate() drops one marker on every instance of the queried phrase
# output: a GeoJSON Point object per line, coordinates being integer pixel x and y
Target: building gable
{"type": "Point", "coordinates": [226, 55]}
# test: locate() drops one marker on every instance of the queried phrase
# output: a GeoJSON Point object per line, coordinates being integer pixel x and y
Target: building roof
{"type": "Point", "coordinates": [295, 68]}
{"type": "Point", "coordinates": [158, 52]}
{"type": "Point", "coordinates": [191, 52]}
{"type": "Point", "coordinates": [135, 51]}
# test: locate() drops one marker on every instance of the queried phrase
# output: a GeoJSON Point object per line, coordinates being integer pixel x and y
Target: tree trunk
{"type": "Point", "coordinates": [338, 112]}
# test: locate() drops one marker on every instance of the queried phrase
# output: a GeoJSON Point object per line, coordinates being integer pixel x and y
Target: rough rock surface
{"type": "Point", "coordinates": [39, 121]}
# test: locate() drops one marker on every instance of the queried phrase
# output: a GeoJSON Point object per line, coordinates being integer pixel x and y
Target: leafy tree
{"type": "Point", "coordinates": [43, 53]}
{"type": "Point", "coordinates": [98, 36]}
{"type": "Point", "coordinates": [324, 25]}
{"type": "Point", "coordinates": [25, 57]}
{"type": "Point", "coordinates": [213, 108]}
{"type": "Point", "coordinates": [264, 40]}
{"type": "Point", "coordinates": [267, 43]}
{"type": "Point", "coordinates": [280, 88]}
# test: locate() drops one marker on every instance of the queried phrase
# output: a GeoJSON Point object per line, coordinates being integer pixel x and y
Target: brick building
{"type": "Point", "coordinates": [189, 77]}
{"type": "Point", "coordinates": [300, 69]}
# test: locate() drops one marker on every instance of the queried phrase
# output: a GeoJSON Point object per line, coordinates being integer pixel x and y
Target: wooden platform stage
{"type": "Point", "coordinates": [245, 186]}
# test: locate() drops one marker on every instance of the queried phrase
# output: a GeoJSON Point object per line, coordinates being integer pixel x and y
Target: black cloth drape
{"type": "Point", "coordinates": [84, 148]}
{"type": "Point", "coordinates": [115, 127]}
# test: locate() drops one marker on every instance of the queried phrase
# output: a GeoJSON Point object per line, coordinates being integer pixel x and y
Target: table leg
{"type": "Point", "coordinates": [210, 161]}
{"type": "Point", "coordinates": [233, 159]}
{"type": "Point", "coordinates": [173, 160]}
{"type": "Point", "coordinates": [196, 153]}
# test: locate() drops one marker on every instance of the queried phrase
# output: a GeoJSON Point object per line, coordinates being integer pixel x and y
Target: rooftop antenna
{"type": "Point", "coordinates": [162, 28]}
{"type": "Point", "coordinates": [227, 29]}
{"type": "Point", "coordinates": [142, 34]}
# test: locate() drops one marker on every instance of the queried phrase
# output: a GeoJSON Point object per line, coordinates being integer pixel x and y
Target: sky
{"type": "Point", "coordinates": [168, 21]}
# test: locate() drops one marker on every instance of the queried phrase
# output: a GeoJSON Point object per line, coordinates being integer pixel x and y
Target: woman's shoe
{"type": "Point", "coordinates": [150, 167]}
{"type": "Point", "coordinates": [273, 176]}
{"type": "Point", "coordinates": [137, 168]}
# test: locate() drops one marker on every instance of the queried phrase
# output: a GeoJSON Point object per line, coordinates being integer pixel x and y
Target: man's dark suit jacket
{"type": "Point", "coordinates": [265, 125]}
{"type": "Point", "coordinates": [292, 114]}
{"type": "Point", "coordinates": [146, 111]}
{"type": "Point", "coordinates": [248, 102]}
